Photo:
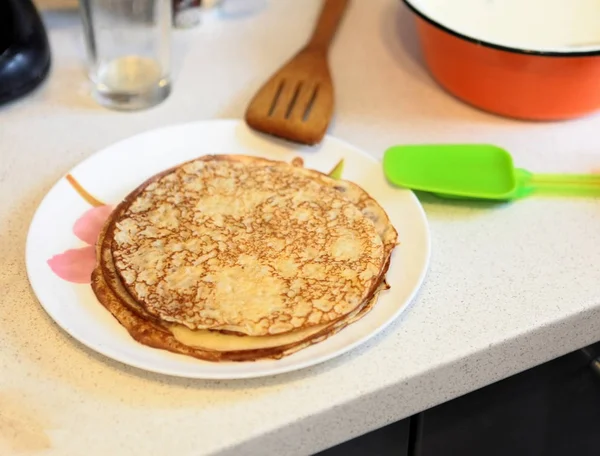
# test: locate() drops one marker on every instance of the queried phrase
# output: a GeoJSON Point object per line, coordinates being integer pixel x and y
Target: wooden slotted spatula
{"type": "Point", "coordinates": [297, 102]}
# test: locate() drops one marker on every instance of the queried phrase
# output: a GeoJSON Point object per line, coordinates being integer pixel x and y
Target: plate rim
{"type": "Point", "coordinates": [270, 370]}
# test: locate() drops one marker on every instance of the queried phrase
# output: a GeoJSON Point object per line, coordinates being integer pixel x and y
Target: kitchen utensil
{"type": "Point", "coordinates": [131, 161]}
{"type": "Point", "coordinates": [297, 102]}
{"type": "Point", "coordinates": [129, 45]}
{"type": "Point", "coordinates": [529, 59]}
{"type": "Point", "coordinates": [478, 171]}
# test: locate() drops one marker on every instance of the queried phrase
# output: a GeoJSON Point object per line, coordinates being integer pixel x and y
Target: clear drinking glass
{"type": "Point", "coordinates": [129, 47]}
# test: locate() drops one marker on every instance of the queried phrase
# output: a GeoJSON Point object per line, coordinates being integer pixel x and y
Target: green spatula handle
{"type": "Point", "coordinates": [558, 184]}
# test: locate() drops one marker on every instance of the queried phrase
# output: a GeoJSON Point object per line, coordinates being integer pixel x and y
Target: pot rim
{"type": "Point", "coordinates": [500, 47]}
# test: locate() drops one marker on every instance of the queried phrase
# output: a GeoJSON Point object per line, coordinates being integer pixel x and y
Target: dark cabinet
{"type": "Point", "coordinates": [387, 441]}
{"type": "Point", "coordinates": [551, 410]}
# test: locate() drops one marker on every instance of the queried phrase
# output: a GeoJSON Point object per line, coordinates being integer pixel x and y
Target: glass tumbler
{"type": "Point", "coordinates": [129, 45]}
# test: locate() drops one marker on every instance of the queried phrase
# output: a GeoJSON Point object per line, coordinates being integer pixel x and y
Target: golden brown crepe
{"type": "Point", "coordinates": [362, 219]}
{"type": "Point", "coordinates": [245, 245]}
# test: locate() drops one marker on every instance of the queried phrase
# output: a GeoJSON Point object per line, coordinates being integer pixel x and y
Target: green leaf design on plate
{"type": "Point", "coordinates": [337, 171]}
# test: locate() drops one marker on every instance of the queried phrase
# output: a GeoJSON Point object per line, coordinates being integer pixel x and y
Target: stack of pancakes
{"type": "Point", "coordinates": [236, 258]}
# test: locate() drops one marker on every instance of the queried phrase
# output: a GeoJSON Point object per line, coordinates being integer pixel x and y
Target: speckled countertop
{"type": "Point", "coordinates": [509, 287]}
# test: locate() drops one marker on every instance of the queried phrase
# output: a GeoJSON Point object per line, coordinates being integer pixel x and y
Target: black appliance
{"type": "Point", "coordinates": [24, 49]}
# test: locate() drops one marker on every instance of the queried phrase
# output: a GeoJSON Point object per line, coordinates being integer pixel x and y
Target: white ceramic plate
{"type": "Point", "coordinates": [113, 172]}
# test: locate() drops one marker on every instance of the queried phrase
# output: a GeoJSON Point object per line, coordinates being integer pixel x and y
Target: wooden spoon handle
{"type": "Point", "coordinates": [328, 22]}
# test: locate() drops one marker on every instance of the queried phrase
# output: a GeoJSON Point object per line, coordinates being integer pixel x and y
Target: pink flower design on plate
{"type": "Point", "coordinates": [76, 265]}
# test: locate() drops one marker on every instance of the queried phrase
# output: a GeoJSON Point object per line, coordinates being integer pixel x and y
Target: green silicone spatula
{"type": "Point", "coordinates": [479, 171]}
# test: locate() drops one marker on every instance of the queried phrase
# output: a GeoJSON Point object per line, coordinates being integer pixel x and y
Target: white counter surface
{"type": "Point", "coordinates": [510, 286]}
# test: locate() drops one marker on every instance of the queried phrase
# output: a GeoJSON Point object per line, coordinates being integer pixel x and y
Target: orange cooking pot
{"type": "Point", "coordinates": [527, 59]}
